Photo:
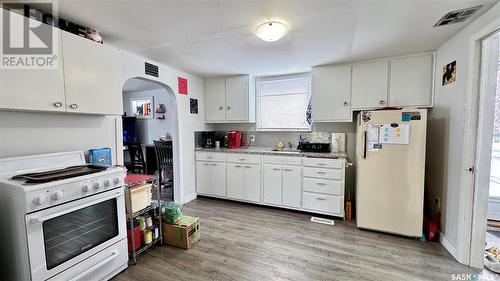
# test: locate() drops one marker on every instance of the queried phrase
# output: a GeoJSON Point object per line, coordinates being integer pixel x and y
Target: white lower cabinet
{"type": "Point", "coordinates": [211, 178]}
{"type": "Point", "coordinates": [309, 184]}
{"type": "Point", "coordinates": [243, 181]}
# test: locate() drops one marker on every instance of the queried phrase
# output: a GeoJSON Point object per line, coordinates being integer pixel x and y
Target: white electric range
{"type": "Point", "coordinates": [61, 219]}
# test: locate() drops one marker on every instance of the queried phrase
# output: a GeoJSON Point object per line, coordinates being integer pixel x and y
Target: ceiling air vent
{"type": "Point", "coordinates": [457, 16]}
{"type": "Point", "coordinates": [151, 69]}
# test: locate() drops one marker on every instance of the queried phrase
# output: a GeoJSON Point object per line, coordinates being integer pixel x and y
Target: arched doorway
{"type": "Point", "coordinates": [153, 106]}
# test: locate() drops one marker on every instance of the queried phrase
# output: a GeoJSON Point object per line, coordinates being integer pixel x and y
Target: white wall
{"type": "Point", "coordinates": [152, 128]}
{"type": "Point", "coordinates": [25, 133]}
{"type": "Point", "coordinates": [446, 130]}
{"type": "Point", "coordinates": [133, 67]}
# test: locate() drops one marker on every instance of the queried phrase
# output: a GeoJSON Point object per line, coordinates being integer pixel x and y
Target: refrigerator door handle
{"type": "Point", "coordinates": [364, 146]}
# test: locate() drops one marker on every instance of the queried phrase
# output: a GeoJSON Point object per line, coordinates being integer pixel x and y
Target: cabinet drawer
{"type": "Point", "coordinates": [286, 160]}
{"type": "Point", "coordinates": [324, 163]}
{"type": "Point", "coordinates": [332, 174]}
{"type": "Point", "coordinates": [210, 156]}
{"type": "Point", "coordinates": [333, 187]}
{"type": "Point", "coordinates": [323, 203]}
{"type": "Point", "coordinates": [243, 158]}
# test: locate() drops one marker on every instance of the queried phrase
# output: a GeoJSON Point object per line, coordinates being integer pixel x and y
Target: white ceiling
{"type": "Point", "coordinates": [216, 37]}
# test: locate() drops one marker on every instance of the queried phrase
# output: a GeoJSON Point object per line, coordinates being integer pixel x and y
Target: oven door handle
{"type": "Point", "coordinates": [36, 220]}
{"type": "Point", "coordinates": [113, 256]}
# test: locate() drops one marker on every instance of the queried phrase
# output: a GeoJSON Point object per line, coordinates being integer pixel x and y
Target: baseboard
{"type": "Point", "coordinates": [189, 198]}
{"type": "Point", "coordinates": [448, 245]}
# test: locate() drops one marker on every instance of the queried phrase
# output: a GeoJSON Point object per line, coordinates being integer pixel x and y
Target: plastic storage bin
{"type": "Point", "coordinates": [141, 198]}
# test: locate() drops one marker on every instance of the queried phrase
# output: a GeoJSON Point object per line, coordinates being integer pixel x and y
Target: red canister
{"type": "Point", "coordinates": [234, 139]}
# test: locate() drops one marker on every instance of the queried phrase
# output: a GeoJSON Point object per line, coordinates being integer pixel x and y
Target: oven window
{"type": "Point", "coordinates": [71, 234]}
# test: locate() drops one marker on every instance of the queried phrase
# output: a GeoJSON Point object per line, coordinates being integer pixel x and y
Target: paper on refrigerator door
{"type": "Point", "coordinates": [394, 133]}
{"type": "Point", "coordinates": [372, 138]}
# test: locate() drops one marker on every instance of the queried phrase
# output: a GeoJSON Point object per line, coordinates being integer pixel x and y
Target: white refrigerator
{"type": "Point", "coordinates": [390, 154]}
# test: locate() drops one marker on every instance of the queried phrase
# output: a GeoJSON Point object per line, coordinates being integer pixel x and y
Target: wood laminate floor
{"type": "Point", "coordinates": [247, 242]}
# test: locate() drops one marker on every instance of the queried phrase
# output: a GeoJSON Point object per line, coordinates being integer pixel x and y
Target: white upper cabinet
{"type": "Point", "coordinates": [215, 99]}
{"type": "Point", "coordinates": [411, 81]}
{"type": "Point", "coordinates": [230, 100]}
{"type": "Point", "coordinates": [237, 98]}
{"type": "Point", "coordinates": [34, 89]}
{"type": "Point", "coordinates": [93, 80]}
{"type": "Point", "coordinates": [331, 93]}
{"type": "Point", "coordinates": [370, 85]}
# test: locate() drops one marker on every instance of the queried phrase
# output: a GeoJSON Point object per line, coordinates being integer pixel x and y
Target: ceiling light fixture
{"type": "Point", "coordinates": [271, 31]}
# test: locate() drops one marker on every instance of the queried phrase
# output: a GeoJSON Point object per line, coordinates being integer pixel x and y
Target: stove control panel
{"type": "Point", "coordinates": [58, 192]}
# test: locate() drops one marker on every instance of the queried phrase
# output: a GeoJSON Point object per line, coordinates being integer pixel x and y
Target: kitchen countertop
{"type": "Point", "coordinates": [271, 151]}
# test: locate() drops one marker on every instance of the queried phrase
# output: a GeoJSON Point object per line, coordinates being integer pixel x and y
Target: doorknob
{"type": "Point", "coordinates": [381, 102]}
{"type": "Point", "coordinates": [346, 103]}
{"type": "Point", "coordinates": [58, 104]}
{"type": "Point", "coordinates": [74, 106]}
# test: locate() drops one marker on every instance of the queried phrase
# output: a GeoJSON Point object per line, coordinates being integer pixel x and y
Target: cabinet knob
{"type": "Point", "coordinates": [228, 108]}
{"type": "Point", "coordinates": [346, 103]}
{"type": "Point", "coordinates": [221, 108]}
{"type": "Point", "coordinates": [58, 104]}
{"type": "Point", "coordinates": [381, 102]}
{"type": "Point", "coordinates": [74, 106]}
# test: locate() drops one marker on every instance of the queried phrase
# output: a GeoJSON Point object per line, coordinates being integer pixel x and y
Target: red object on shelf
{"type": "Point", "coordinates": [131, 179]}
{"type": "Point", "coordinates": [137, 238]}
{"type": "Point", "coordinates": [234, 139]}
{"type": "Point", "coordinates": [183, 85]}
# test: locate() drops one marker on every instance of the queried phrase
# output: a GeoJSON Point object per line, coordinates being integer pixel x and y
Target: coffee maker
{"type": "Point", "coordinates": [208, 139]}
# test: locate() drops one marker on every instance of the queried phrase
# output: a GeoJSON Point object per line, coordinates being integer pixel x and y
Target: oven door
{"type": "Point", "coordinates": [61, 237]}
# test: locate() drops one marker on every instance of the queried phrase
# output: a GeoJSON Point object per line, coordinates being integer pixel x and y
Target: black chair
{"type": "Point", "coordinates": [137, 164]}
{"type": "Point", "coordinates": [165, 163]}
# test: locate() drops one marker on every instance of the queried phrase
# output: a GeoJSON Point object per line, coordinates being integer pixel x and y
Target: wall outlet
{"type": "Point", "coordinates": [252, 138]}
{"type": "Point", "coordinates": [437, 204]}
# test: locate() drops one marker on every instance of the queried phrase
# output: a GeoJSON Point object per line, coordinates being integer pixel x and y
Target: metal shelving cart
{"type": "Point", "coordinates": [154, 209]}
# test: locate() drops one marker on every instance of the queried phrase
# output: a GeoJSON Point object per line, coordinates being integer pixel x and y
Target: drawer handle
{"type": "Point", "coordinates": [276, 169]}
{"type": "Point", "coordinates": [209, 157]}
{"type": "Point", "coordinates": [321, 183]}
{"type": "Point", "coordinates": [206, 164]}
{"type": "Point", "coordinates": [237, 166]}
{"type": "Point", "coordinates": [322, 164]}
{"type": "Point", "coordinates": [248, 167]}
{"type": "Point", "coordinates": [243, 159]}
{"type": "Point", "coordinates": [214, 164]}
{"type": "Point", "coordinates": [288, 170]}
{"type": "Point", "coordinates": [320, 198]}
{"type": "Point", "coordinates": [321, 172]}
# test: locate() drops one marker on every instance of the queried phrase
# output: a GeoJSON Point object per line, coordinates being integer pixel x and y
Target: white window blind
{"type": "Point", "coordinates": [282, 102]}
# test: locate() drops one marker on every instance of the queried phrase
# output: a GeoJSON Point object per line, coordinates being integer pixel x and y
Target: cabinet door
{"type": "Point", "coordinates": [34, 89]}
{"type": "Point", "coordinates": [292, 192]}
{"type": "Point", "coordinates": [251, 182]}
{"type": "Point", "coordinates": [215, 99]}
{"type": "Point", "coordinates": [369, 85]}
{"type": "Point", "coordinates": [235, 181]}
{"type": "Point", "coordinates": [237, 98]}
{"type": "Point", "coordinates": [218, 178]}
{"type": "Point", "coordinates": [203, 178]}
{"type": "Point", "coordinates": [272, 184]}
{"type": "Point", "coordinates": [411, 81]}
{"type": "Point", "coordinates": [331, 93]}
{"type": "Point", "coordinates": [93, 79]}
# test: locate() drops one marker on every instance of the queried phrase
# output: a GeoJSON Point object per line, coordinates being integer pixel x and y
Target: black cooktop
{"type": "Point", "coordinates": [60, 174]}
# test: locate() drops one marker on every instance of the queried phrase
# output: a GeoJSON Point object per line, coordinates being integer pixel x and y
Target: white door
{"type": "Point", "coordinates": [203, 177]}
{"type": "Point", "coordinates": [218, 178]}
{"type": "Point", "coordinates": [34, 89]}
{"type": "Point", "coordinates": [411, 81]}
{"type": "Point", "coordinates": [93, 79]}
{"type": "Point", "coordinates": [215, 99]}
{"type": "Point", "coordinates": [369, 85]}
{"type": "Point", "coordinates": [331, 93]}
{"type": "Point", "coordinates": [292, 184]}
{"type": "Point", "coordinates": [237, 98]}
{"type": "Point", "coordinates": [235, 181]}
{"type": "Point", "coordinates": [272, 184]}
{"type": "Point", "coordinates": [251, 182]}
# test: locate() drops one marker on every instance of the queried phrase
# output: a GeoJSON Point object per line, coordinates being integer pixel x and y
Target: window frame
{"type": "Point", "coordinates": [257, 101]}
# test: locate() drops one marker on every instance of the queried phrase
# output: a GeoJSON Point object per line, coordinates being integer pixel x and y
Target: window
{"type": "Point", "coordinates": [283, 102]}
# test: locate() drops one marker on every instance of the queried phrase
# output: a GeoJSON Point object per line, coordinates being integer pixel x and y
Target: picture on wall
{"type": "Point", "coordinates": [160, 111]}
{"type": "Point", "coordinates": [142, 107]}
{"type": "Point", "coordinates": [193, 103]}
{"type": "Point", "coordinates": [449, 73]}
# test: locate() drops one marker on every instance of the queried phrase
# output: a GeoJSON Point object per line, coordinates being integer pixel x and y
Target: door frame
{"type": "Point", "coordinates": [472, 211]}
